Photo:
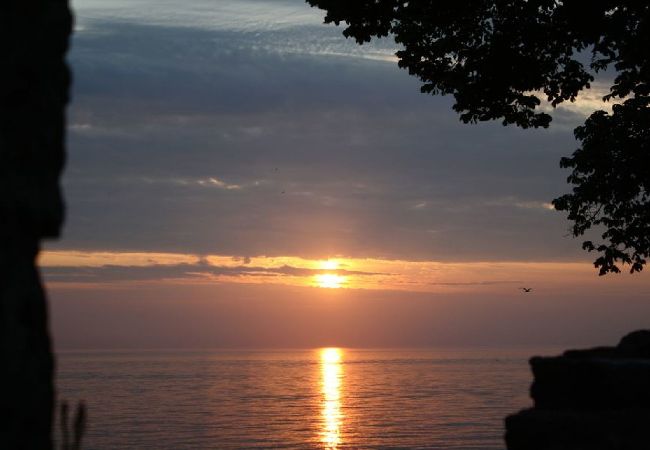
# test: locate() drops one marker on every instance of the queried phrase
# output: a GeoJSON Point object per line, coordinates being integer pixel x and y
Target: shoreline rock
{"type": "Point", "coordinates": [596, 399]}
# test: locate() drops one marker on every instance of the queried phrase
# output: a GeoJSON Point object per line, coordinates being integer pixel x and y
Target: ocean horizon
{"type": "Point", "coordinates": [328, 398]}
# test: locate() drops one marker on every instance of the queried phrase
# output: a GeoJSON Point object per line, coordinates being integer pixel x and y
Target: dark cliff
{"type": "Point", "coordinates": [34, 86]}
{"type": "Point", "coordinates": [595, 399]}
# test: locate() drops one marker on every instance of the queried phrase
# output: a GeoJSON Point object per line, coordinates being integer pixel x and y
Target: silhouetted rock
{"type": "Point", "coordinates": [596, 352]}
{"type": "Point", "coordinates": [635, 344]}
{"type": "Point", "coordinates": [34, 82]}
{"type": "Point", "coordinates": [590, 383]}
{"type": "Point", "coordinates": [535, 429]}
{"type": "Point", "coordinates": [588, 399]}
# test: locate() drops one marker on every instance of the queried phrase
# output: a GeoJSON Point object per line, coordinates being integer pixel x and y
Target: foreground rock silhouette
{"type": "Point", "coordinates": [594, 399]}
{"type": "Point", "coordinates": [34, 83]}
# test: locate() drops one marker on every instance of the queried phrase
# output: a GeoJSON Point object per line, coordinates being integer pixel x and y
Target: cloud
{"type": "Point", "coordinates": [478, 283]}
{"type": "Point", "coordinates": [570, 114]}
{"type": "Point", "coordinates": [200, 140]}
{"type": "Point", "coordinates": [513, 201]}
{"type": "Point", "coordinates": [184, 271]}
{"type": "Point", "coordinates": [216, 182]}
{"type": "Point", "coordinates": [241, 15]}
{"type": "Point", "coordinates": [127, 270]}
{"type": "Point", "coordinates": [277, 27]}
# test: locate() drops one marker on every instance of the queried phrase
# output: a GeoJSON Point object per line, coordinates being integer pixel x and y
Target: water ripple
{"type": "Point", "coordinates": [295, 399]}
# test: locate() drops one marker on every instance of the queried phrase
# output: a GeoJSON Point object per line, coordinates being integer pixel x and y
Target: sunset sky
{"type": "Point", "coordinates": [241, 175]}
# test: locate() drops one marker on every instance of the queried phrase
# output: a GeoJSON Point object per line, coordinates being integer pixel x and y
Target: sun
{"type": "Point", "coordinates": [330, 355]}
{"type": "Point", "coordinates": [329, 280]}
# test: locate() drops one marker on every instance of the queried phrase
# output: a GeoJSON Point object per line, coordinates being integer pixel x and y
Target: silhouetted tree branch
{"type": "Point", "coordinates": [498, 58]}
{"type": "Point", "coordinates": [611, 174]}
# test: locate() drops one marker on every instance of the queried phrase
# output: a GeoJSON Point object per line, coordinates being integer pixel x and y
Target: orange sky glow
{"type": "Point", "coordinates": [343, 272]}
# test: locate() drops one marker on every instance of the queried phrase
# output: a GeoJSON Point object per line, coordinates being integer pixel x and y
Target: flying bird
{"type": "Point", "coordinates": [526, 289]}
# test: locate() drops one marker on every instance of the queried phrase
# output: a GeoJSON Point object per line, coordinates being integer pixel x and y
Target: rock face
{"type": "Point", "coordinates": [596, 399]}
{"type": "Point", "coordinates": [34, 82]}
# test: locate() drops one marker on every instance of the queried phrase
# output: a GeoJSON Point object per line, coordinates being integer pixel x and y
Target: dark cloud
{"type": "Point", "coordinates": [201, 269]}
{"type": "Point", "coordinates": [324, 154]}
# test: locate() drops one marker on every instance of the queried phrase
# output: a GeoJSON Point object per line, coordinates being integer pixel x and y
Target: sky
{"type": "Point", "coordinates": [241, 175]}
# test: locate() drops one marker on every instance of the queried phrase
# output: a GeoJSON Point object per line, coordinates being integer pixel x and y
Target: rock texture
{"type": "Point", "coordinates": [34, 81]}
{"type": "Point", "coordinates": [596, 399]}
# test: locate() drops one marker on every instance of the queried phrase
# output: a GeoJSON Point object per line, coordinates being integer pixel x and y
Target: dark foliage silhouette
{"type": "Point", "coordinates": [498, 58]}
{"type": "Point", "coordinates": [611, 174]}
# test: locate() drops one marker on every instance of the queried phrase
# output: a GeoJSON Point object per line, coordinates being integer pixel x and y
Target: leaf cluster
{"type": "Point", "coordinates": [499, 58]}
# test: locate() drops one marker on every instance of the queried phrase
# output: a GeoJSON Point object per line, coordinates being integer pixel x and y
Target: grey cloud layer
{"type": "Point", "coordinates": [330, 154]}
{"type": "Point", "coordinates": [110, 273]}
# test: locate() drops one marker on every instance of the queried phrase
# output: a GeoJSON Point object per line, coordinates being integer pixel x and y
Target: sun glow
{"type": "Point", "coordinates": [330, 355]}
{"type": "Point", "coordinates": [332, 373]}
{"type": "Point", "coordinates": [91, 270]}
{"type": "Point", "coordinates": [330, 264]}
{"type": "Point", "coordinates": [329, 280]}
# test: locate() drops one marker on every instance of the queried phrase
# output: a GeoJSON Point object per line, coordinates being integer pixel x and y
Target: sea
{"type": "Point", "coordinates": [329, 398]}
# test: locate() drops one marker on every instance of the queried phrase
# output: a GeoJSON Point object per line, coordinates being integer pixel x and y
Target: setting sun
{"type": "Point", "coordinates": [329, 280]}
{"type": "Point", "coordinates": [330, 355]}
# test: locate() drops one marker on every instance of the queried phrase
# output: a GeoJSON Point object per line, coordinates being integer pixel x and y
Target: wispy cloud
{"type": "Point", "coordinates": [87, 269]}
{"type": "Point", "coordinates": [572, 113]}
{"type": "Point", "coordinates": [183, 271]}
{"type": "Point", "coordinates": [277, 26]}
{"type": "Point", "coordinates": [216, 182]}
{"type": "Point", "coordinates": [519, 203]}
{"type": "Point", "coordinates": [240, 15]}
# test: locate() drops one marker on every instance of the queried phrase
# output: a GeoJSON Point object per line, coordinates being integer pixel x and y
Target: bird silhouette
{"type": "Point", "coordinates": [526, 289]}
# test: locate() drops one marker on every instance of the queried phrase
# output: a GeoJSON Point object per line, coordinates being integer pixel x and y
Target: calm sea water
{"type": "Point", "coordinates": [333, 399]}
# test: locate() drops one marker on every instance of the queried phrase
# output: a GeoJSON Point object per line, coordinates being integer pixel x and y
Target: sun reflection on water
{"type": "Point", "coordinates": [332, 372]}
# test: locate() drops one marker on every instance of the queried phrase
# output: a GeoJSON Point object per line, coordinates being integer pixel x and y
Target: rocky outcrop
{"type": "Point", "coordinates": [596, 399]}
{"type": "Point", "coordinates": [34, 82]}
